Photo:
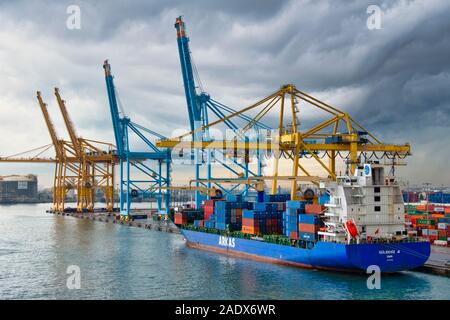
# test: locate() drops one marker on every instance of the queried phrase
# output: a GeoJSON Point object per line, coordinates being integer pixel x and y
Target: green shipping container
{"type": "Point", "coordinates": [442, 238]}
{"type": "Point", "coordinates": [422, 222]}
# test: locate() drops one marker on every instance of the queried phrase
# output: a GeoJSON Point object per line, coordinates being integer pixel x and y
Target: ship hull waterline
{"type": "Point", "coordinates": [388, 257]}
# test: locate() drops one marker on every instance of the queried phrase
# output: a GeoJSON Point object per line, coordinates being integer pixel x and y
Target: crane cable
{"type": "Point", "coordinates": [119, 103]}
{"type": "Point", "coordinates": [196, 74]}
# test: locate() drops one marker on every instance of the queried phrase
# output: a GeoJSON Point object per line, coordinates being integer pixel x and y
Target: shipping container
{"type": "Point", "coordinates": [307, 236]}
{"type": "Point", "coordinates": [442, 225]}
{"type": "Point", "coordinates": [313, 208]}
{"type": "Point", "coordinates": [294, 204]}
{"type": "Point", "coordinates": [306, 227]}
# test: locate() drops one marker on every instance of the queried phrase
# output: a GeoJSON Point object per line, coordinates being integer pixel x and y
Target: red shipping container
{"type": "Point", "coordinates": [208, 211]}
{"type": "Point", "coordinates": [443, 233]}
{"type": "Point", "coordinates": [180, 219]}
{"type": "Point", "coordinates": [275, 225]}
{"type": "Point", "coordinates": [294, 235]}
{"type": "Point", "coordinates": [209, 203]}
{"type": "Point", "coordinates": [305, 227]}
{"type": "Point", "coordinates": [447, 209]}
{"type": "Point", "coordinates": [313, 208]}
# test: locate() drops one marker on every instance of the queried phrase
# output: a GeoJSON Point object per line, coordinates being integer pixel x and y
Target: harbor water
{"type": "Point", "coordinates": [120, 262]}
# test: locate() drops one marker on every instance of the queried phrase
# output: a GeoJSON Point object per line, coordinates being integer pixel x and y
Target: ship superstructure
{"type": "Point", "coordinates": [370, 201]}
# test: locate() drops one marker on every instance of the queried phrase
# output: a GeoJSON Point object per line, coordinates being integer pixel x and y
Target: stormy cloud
{"type": "Point", "coordinates": [394, 80]}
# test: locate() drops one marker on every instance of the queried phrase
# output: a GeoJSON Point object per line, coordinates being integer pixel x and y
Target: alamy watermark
{"type": "Point", "coordinates": [374, 20]}
{"type": "Point", "coordinates": [73, 21]}
{"type": "Point", "coordinates": [74, 279]}
{"type": "Point", "coordinates": [374, 280]}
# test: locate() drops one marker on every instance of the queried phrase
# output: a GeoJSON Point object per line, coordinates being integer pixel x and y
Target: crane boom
{"type": "Point", "coordinates": [194, 107]}
{"type": "Point", "coordinates": [114, 108]}
{"type": "Point", "coordinates": [69, 125]}
{"type": "Point", "coordinates": [50, 127]}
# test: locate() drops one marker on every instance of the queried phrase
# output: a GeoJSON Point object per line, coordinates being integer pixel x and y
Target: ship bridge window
{"type": "Point", "coordinates": [377, 198]}
{"type": "Point", "coordinates": [377, 208]}
{"type": "Point", "coordinates": [376, 189]}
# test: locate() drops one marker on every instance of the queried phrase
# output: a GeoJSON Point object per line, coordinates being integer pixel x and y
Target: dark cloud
{"type": "Point", "coordinates": [394, 80]}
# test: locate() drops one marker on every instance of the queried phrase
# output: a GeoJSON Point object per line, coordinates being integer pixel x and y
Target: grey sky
{"type": "Point", "coordinates": [394, 80]}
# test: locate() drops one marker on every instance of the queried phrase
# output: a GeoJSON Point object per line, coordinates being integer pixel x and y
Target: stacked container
{"type": "Point", "coordinates": [250, 222]}
{"type": "Point", "coordinates": [313, 208]}
{"type": "Point", "coordinates": [211, 223]}
{"type": "Point", "coordinates": [208, 208]}
{"type": "Point", "coordinates": [229, 214]}
{"type": "Point", "coordinates": [290, 218]}
{"type": "Point", "coordinates": [199, 223]}
{"type": "Point", "coordinates": [187, 216]}
{"type": "Point", "coordinates": [266, 218]}
{"type": "Point", "coordinates": [444, 231]}
{"type": "Point", "coordinates": [277, 197]}
{"type": "Point", "coordinates": [308, 225]}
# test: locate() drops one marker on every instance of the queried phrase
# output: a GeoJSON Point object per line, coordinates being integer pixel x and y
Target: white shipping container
{"type": "Point", "coordinates": [440, 242]}
{"type": "Point", "coordinates": [432, 232]}
{"type": "Point", "coordinates": [425, 232]}
{"type": "Point", "coordinates": [442, 225]}
{"type": "Point", "coordinates": [438, 209]}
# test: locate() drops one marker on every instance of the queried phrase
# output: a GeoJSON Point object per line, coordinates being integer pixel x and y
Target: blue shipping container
{"type": "Point", "coordinates": [308, 218]}
{"type": "Point", "coordinates": [307, 236]}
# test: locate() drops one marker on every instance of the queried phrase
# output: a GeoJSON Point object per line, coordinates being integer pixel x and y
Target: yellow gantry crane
{"type": "Point", "coordinates": [339, 135]}
{"type": "Point", "coordinates": [66, 163]}
{"type": "Point", "coordinates": [96, 169]}
{"type": "Point", "coordinates": [80, 164]}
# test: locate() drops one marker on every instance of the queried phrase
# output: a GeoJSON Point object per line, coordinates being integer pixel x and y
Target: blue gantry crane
{"type": "Point", "coordinates": [138, 177]}
{"type": "Point", "coordinates": [200, 105]}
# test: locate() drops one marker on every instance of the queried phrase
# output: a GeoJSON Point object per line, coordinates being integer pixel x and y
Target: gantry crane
{"type": "Point", "coordinates": [135, 163]}
{"type": "Point", "coordinates": [290, 141]}
{"type": "Point", "coordinates": [71, 160]}
{"type": "Point", "coordinates": [96, 169]}
{"type": "Point", "coordinates": [201, 107]}
{"type": "Point", "coordinates": [66, 164]}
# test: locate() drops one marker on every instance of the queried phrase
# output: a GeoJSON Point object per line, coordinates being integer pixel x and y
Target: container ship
{"type": "Point", "coordinates": [358, 222]}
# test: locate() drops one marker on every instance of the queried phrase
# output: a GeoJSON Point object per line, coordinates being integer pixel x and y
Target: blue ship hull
{"type": "Point", "coordinates": [389, 257]}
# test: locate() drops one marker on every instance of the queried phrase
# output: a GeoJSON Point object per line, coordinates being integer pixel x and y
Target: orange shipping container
{"type": "Point", "coordinates": [250, 230]}
{"type": "Point", "coordinates": [249, 222]}
{"type": "Point", "coordinates": [313, 208]}
{"type": "Point", "coordinates": [306, 227]}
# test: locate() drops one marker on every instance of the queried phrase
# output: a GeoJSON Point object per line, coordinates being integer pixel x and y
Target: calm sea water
{"type": "Point", "coordinates": [118, 262]}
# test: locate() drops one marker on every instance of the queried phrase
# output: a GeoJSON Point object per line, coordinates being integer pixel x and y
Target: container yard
{"type": "Point", "coordinates": [269, 189]}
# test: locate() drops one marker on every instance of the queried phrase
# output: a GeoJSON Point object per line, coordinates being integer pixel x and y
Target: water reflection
{"type": "Point", "coordinates": [130, 263]}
